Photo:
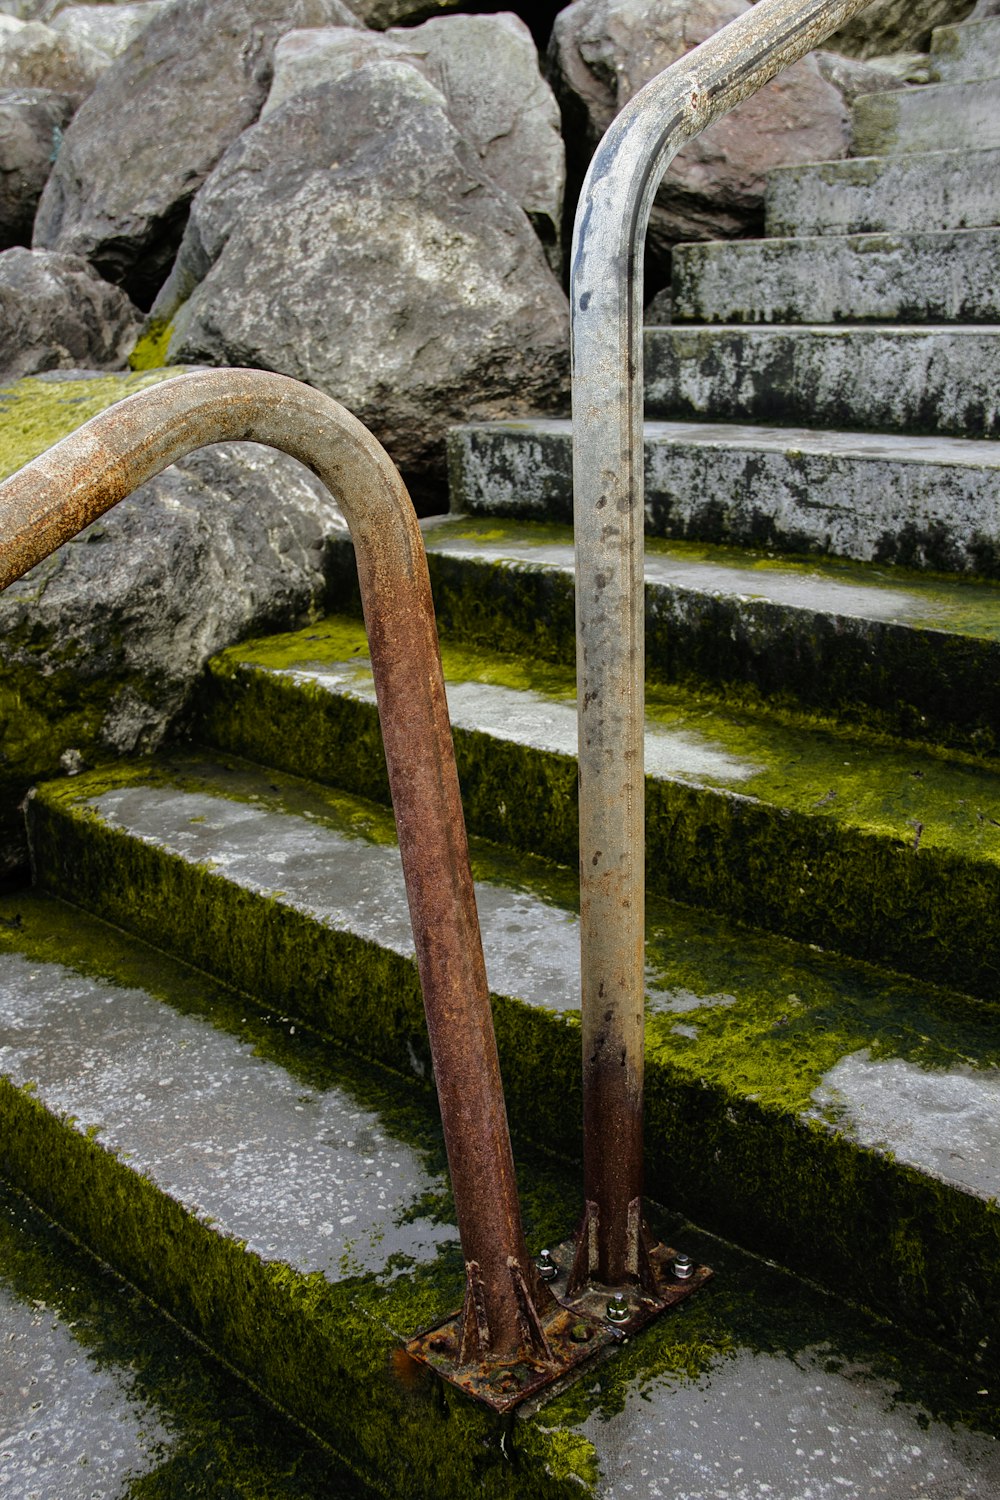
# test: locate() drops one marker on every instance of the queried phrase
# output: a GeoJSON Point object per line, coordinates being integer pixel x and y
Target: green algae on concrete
{"type": "Point", "coordinates": [203, 1434]}
{"type": "Point", "coordinates": [744, 1038]}
{"type": "Point", "coordinates": [886, 851]}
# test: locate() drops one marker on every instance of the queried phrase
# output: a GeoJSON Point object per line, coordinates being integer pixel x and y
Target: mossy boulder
{"type": "Point", "coordinates": [101, 644]}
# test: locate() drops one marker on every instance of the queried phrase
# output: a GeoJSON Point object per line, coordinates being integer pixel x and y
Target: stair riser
{"type": "Point", "coordinates": [786, 872]}
{"type": "Point", "coordinates": [916, 278]}
{"type": "Point", "coordinates": [907, 195]}
{"type": "Point", "coordinates": [897, 679]}
{"type": "Point", "coordinates": [722, 488]}
{"type": "Point", "coordinates": [962, 53]}
{"type": "Point", "coordinates": [883, 379]}
{"type": "Point", "coordinates": [943, 117]}
{"type": "Point", "coordinates": [749, 1172]}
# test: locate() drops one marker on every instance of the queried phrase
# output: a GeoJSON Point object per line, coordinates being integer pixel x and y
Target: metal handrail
{"type": "Point", "coordinates": [606, 313]}
{"type": "Point", "coordinates": [58, 494]}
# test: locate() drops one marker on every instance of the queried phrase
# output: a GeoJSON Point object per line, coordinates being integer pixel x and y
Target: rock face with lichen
{"type": "Point", "coordinates": [352, 239]}
{"type": "Point", "coordinates": [101, 643]}
{"type": "Point", "coordinates": [56, 313]}
{"type": "Point", "coordinates": [602, 53]}
{"type": "Point", "coordinates": [148, 136]}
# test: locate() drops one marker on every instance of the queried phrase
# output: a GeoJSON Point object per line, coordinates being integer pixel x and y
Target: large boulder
{"type": "Point", "coordinates": [102, 644]}
{"type": "Point", "coordinates": [56, 313]}
{"type": "Point", "coordinates": [603, 51]}
{"type": "Point", "coordinates": [36, 57]}
{"type": "Point", "coordinates": [897, 26]}
{"type": "Point", "coordinates": [487, 69]}
{"type": "Point", "coordinates": [31, 126]}
{"type": "Point", "coordinates": [383, 13]}
{"type": "Point", "coordinates": [352, 239]}
{"type": "Point", "coordinates": [152, 130]}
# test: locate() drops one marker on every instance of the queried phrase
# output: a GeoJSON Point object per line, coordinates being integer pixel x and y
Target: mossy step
{"type": "Point", "coordinates": [920, 192]}
{"type": "Point", "coordinates": [923, 502]}
{"type": "Point", "coordinates": [947, 277]}
{"type": "Point", "coordinates": [937, 117]}
{"type": "Point", "coordinates": [942, 379]}
{"type": "Point", "coordinates": [960, 54]}
{"type": "Point", "coordinates": [878, 647]}
{"type": "Point", "coordinates": [102, 1396]}
{"type": "Point", "coordinates": [885, 851]}
{"type": "Point", "coordinates": [842, 1121]}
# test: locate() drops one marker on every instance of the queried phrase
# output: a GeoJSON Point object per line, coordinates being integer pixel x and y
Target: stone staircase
{"type": "Point", "coordinates": [215, 1068]}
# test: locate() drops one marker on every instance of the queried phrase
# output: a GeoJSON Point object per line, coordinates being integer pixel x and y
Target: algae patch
{"type": "Point", "coordinates": [35, 413]}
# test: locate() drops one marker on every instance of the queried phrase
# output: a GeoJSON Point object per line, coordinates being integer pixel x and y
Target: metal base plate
{"type": "Point", "coordinates": [577, 1330]}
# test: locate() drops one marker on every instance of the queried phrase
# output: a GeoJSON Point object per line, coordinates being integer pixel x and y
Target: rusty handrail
{"type": "Point", "coordinates": [56, 495]}
{"type": "Point", "coordinates": [606, 314]}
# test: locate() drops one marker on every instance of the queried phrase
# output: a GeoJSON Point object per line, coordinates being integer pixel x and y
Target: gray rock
{"type": "Point", "coordinates": [382, 13]}
{"type": "Point", "coordinates": [487, 69]}
{"type": "Point", "coordinates": [897, 26]}
{"type": "Point", "coordinates": [352, 239]}
{"type": "Point", "coordinates": [103, 642]}
{"type": "Point", "coordinates": [109, 28]}
{"type": "Point", "coordinates": [31, 126]}
{"type": "Point", "coordinates": [985, 9]}
{"type": "Point", "coordinates": [37, 57]}
{"type": "Point", "coordinates": [853, 77]}
{"type": "Point", "coordinates": [56, 313]}
{"type": "Point", "coordinates": [603, 51]}
{"type": "Point", "coordinates": [133, 157]}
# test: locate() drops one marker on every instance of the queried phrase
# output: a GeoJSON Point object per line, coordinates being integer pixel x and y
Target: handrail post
{"type": "Point", "coordinates": [56, 495]}
{"type": "Point", "coordinates": [609, 506]}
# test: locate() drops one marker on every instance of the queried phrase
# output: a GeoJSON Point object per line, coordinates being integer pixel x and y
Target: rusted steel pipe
{"type": "Point", "coordinates": [606, 311]}
{"type": "Point", "coordinates": [84, 475]}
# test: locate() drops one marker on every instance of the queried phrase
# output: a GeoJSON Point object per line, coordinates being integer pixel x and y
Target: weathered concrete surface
{"type": "Point", "coordinates": [943, 117]}
{"type": "Point", "coordinates": [417, 292]}
{"type": "Point", "coordinates": [31, 125]}
{"type": "Point", "coordinates": [913, 278]}
{"type": "Point", "coordinates": [133, 157]}
{"type": "Point", "coordinates": [924, 501]}
{"type": "Point", "coordinates": [920, 192]}
{"type": "Point", "coordinates": [603, 52]}
{"type": "Point", "coordinates": [38, 57]}
{"type": "Point", "coordinates": [890, 377]}
{"type": "Point", "coordinates": [486, 67]}
{"type": "Point", "coordinates": [56, 313]}
{"type": "Point", "coordinates": [103, 1396]}
{"type": "Point", "coordinates": [962, 53]}
{"type": "Point", "coordinates": [795, 1014]}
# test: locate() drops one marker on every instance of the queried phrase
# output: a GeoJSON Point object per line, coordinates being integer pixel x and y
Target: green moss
{"type": "Point", "coordinates": [35, 413]}
{"type": "Point", "coordinates": [151, 351]}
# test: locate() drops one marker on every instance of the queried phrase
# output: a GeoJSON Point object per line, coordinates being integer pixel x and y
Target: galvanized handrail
{"type": "Point", "coordinates": [606, 312]}
{"type": "Point", "coordinates": [58, 494]}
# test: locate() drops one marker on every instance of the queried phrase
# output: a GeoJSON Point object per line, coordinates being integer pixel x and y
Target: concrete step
{"type": "Point", "coordinates": [103, 1396]}
{"type": "Point", "coordinates": [937, 117]}
{"type": "Point", "coordinates": [921, 193]}
{"type": "Point", "coordinates": [963, 53]}
{"type": "Point", "coordinates": [882, 377]}
{"type": "Point", "coordinates": [888, 852]}
{"type": "Point", "coordinates": [803, 1103]}
{"type": "Point", "coordinates": [953, 276]}
{"type": "Point", "coordinates": [922, 502]}
{"type": "Point", "coordinates": [875, 647]}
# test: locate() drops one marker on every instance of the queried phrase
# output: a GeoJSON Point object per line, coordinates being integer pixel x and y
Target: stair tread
{"type": "Point", "coordinates": [920, 191]}
{"type": "Point", "coordinates": [934, 276]}
{"type": "Point", "coordinates": [818, 585]}
{"type": "Point", "coordinates": [102, 1393]}
{"type": "Point", "coordinates": [782, 1036]}
{"type": "Point", "coordinates": [687, 737]}
{"type": "Point", "coordinates": [755, 1366]}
